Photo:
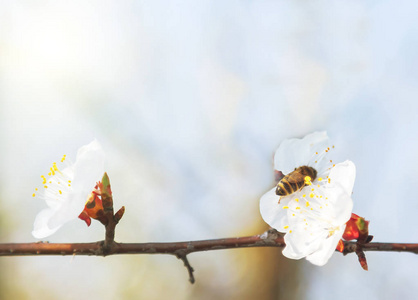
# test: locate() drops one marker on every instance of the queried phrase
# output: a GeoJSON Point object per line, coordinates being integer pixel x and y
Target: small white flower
{"type": "Point", "coordinates": [66, 191]}
{"type": "Point", "coordinates": [313, 218]}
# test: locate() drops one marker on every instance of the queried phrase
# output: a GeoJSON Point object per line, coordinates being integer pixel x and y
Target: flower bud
{"type": "Point", "coordinates": [356, 228]}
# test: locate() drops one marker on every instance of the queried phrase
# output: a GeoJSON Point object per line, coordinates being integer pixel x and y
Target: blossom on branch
{"type": "Point", "coordinates": [314, 218]}
{"type": "Point", "coordinates": [66, 191]}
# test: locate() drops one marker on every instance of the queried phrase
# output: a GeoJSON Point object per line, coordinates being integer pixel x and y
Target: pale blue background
{"type": "Point", "coordinates": [190, 100]}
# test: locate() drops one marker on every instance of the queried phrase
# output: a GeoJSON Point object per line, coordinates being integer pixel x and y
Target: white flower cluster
{"type": "Point", "coordinates": [314, 217]}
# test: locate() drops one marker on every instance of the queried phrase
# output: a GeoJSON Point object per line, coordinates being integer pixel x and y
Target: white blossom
{"type": "Point", "coordinates": [66, 191]}
{"type": "Point", "coordinates": [313, 218]}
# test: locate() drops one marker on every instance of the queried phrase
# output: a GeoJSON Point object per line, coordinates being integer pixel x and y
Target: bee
{"type": "Point", "coordinates": [295, 180]}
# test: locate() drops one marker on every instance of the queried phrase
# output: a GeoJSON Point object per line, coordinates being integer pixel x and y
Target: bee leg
{"type": "Point", "coordinates": [279, 200]}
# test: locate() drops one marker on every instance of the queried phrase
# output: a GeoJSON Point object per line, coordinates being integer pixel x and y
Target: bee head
{"type": "Point", "coordinates": [309, 171]}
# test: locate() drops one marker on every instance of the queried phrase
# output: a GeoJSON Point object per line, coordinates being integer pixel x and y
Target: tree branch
{"type": "Point", "coordinates": [270, 238]}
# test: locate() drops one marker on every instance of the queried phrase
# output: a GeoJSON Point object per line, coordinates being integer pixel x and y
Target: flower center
{"type": "Point", "coordinates": [307, 210]}
{"type": "Point", "coordinates": [58, 183]}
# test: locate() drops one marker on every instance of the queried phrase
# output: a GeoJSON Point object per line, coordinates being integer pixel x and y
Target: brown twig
{"type": "Point", "coordinates": [270, 238]}
{"type": "Point", "coordinates": [189, 268]}
{"type": "Point", "coordinates": [350, 247]}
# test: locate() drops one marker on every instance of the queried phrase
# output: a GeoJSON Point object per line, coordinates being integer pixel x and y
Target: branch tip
{"type": "Point", "coordinates": [189, 268]}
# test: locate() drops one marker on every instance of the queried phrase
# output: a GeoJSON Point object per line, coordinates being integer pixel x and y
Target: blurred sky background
{"type": "Point", "coordinates": [190, 99]}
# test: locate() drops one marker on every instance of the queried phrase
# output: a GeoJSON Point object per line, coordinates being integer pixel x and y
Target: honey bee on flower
{"type": "Point", "coordinates": [312, 209]}
{"type": "Point", "coordinates": [303, 161]}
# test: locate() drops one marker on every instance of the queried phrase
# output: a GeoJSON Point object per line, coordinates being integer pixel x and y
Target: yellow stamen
{"type": "Point", "coordinates": [304, 195]}
{"type": "Point", "coordinates": [33, 195]}
{"type": "Point", "coordinates": [298, 207]}
{"type": "Point", "coordinates": [311, 195]}
{"type": "Point", "coordinates": [285, 207]}
{"type": "Point", "coordinates": [308, 180]}
{"type": "Point", "coordinates": [320, 179]}
{"type": "Point", "coordinates": [63, 158]}
{"type": "Point", "coordinates": [60, 191]}
{"type": "Point", "coordinates": [307, 203]}
{"type": "Point", "coordinates": [285, 227]}
{"type": "Point", "coordinates": [297, 200]}
{"type": "Point", "coordinates": [290, 231]}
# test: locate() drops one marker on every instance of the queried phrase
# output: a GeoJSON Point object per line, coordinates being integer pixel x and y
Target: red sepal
{"type": "Point", "coordinates": [340, 246]}
{"type": "Point", "coordinates": [356, 228]}
{"type": "Point", "coordinates": [93, 208]}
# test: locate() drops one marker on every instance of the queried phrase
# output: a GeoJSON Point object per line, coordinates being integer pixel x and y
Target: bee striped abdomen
{"type": "Point", "coordinates": [295, 180]}
{"type": "Point", "coordinates": [285, 187]}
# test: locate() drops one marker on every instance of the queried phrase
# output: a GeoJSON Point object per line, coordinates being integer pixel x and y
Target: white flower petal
{"type": "Point", "coordinates": [302, 243]}
{"type": "Point", "coordinates": [340, 204]}
{"type": "Point", "coordinates": [40, 227]}
{"type": "Point", "coordinates": [324, 253]}
{"type": "Point", "coordinates": [293, 153]}
{"type": "Point", "coordinates": [271, 211]}
{"type": "Point", "coordinates": [345, 174]}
